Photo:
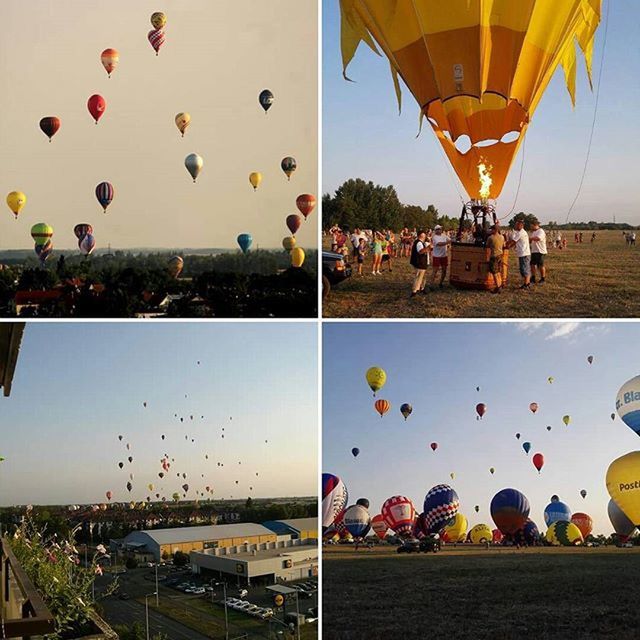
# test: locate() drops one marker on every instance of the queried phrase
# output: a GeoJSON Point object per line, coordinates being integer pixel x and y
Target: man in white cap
{"type": "Point", "coordinates": [439, 242]}
{"type": "Point", "coordinates": [538, 244]}
{"type": "Point", "coordinates": [519, 239]}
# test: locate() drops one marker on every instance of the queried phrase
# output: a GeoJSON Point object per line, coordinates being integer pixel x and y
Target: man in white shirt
{"type": "Point", "coordinates": [538, 243]}
{"type": "Point", "coordinates": [519, 239]}
{"type": "Point", "coordinates": [419, 261]}
{"type": "Point", "coordinates": [439, 242]}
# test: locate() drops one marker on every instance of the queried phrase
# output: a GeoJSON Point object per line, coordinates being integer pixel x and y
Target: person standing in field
{"type": "Point", "coordinates": [361, 252]}
{"type": "Point", "coordinates": [593, 237]}
{"type": "Point", "coordinates": [633, 239]}
{"type": "Point", "coordinates": [355, 240]}
{"type": "Point", "coordinates": [495, 244]}
{"type": "Point", "coordinates": [386, 250]}
{"type": "Point", "coordinates": [520, 240]}
{"type": "Point", "coordinates": [538, 245]}
{"type": "Point", "coordinates": [377, 253]}
{"type": "Point", "coordinates": [419, 260]}
{"type": "Point", "coordinates": [439, 243]}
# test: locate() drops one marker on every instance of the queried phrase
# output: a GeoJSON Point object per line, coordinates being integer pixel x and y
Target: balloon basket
{"type": "Point", "coordinates": [470, 268]}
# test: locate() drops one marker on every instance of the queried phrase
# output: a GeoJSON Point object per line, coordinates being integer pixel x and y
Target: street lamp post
{"type": "Point", "coordinates": [157, 590]}
{"type": "Point", "coordinates": [146, 610]}
{"type": "Point", "coordinates": [297, 614]}
{"type": "Point", "coordinates": [226, 617]}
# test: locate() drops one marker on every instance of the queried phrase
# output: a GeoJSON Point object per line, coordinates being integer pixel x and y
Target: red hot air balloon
{"type": "Point", "coordinates": [382, 406]}
{"type": "Point", "coordinates": [434, 446]}
{"type": "Point", "coordinates": [97, 106]}
{"type": "Point", "coordinates": [108, 494]}
{"type": "Point", "coordinates": [49, 126]}
{"type": "Point", "coordinates": [306, 204]}
{"type": "Point", "coordinates": [399, 514]}
{"type": "Point", "coordinates": [481, 409]}
{"type": "Point", "coordinates": [533, 407]}
{"type": "Point", "coordinates": [538, 461]}
{"type": "Point", "coordinates": [156, 39]}
{"type": "Point", "coordinates": [293, 223]}
{"type": "Point", "coordinates": [379, 526]}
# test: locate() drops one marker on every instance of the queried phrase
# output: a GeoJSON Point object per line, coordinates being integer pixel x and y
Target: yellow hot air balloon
{"type": "Point", "coordinates": [297, 257]}
{"type": "Point", "coordinates": [457, 530]}
{"type": "Point", "coordinates": [623, 484]}
{"type": "Point", "coordinates": [16, 200]}
{"type": "Point", "coordinates": [150, 487]}
{"type": "Point", "coordinates": [289, 242]}
{"type": "Point", "coordinates": [481, 533]}
{"type": "Point", "coordinates": [476, 69]}
{"type": "Point", "coordinates": [158, 20]}
{"type": "Point", "coordinates": [255, 178]}
{"type": "Point", "coordinates": [564, 534]}
{"type": "Point", "coordinates": [376, 377]}
{"type": "Point", "coordinates": [183, 120]}
{"type": "Point", "coordinates": [452, 476]}
{"type": "Point", "coordinates": [566, 420]}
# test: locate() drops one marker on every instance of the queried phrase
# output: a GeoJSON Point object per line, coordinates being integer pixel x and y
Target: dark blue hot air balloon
{"type": "Point", "coordinates": [555, 511]}
{"type": "Point", "coordinates": [527, 447]}
{"type": "Point", "coordinates": [363, 502]}
{"type": "Point", "coordinates": [104, 194]}
{"type": "Point", "coordinates": [355, 451]}
{"type": "Point", "coordinates": [509, 510]}
{"type": "Point", "coordinates": [528, 535]}
{"type": "Point", "coordinates": [441, 506]}
{"type": "Point", "coordinates": [244, 241]}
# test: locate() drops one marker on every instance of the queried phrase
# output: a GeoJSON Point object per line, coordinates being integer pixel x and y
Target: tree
{"type": "Point", "coordinates": [180, 559]}
{"type": "Point", "coordinates": [528, 219]}
{"type": "Point", "coordinates": [131, 563]}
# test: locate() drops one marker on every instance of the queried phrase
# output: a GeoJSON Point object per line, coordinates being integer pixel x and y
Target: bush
{"type": "Point", "coordinates": [131, 563]}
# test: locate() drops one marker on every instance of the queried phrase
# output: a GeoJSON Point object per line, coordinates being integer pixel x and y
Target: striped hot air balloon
{"type": "Point", "coordinates": [104, 194]}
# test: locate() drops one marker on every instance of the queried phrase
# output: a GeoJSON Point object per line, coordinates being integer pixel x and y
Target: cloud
{"type": "Point", "coordinates": [562, 330]}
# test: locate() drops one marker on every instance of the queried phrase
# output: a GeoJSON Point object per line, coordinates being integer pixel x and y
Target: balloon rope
{"type": "Point", "coordinates": [524, 144]}
{"type": "Point", "coordinates": [595, 112]}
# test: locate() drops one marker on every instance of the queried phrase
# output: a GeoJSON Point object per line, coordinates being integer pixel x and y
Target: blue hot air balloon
{"type": "Point", "coordinates": [526, 446]}
{"type": "Point", "coordinates": [628, 404]}
{"type": "Point", "coordinates": [509, 510]}
{"type": "Point", "coordinates": [104, 194]}
{"type": "Point", "coordinates": [357, 521]}
{"type": "Point", "coordinates": [529, 534]}
{"type": "Point", "coordinates": [244, 241]}
{"type": "Point", "coordinates": [441, 506]}
{"type": "Point", "coordinates": [555, 511]}
{"type": "Point", "coordinates": [355, 451]}
{"type": "Point", "coordinates": [620, 523]}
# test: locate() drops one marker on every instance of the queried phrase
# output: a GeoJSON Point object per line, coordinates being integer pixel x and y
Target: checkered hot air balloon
{"type": "Point", "coordinates": [441, 506]}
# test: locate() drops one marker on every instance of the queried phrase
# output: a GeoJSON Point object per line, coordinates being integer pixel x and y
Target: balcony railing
{"type": "Point", "coordinates": [24, 613]}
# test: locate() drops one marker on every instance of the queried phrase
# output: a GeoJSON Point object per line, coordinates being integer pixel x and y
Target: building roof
{"type": "Point", "coordinates": [10, 339]}
{"type": "Point", "coordinates": [208, 532]}
{"type": "Point", "coordinates": [37, 297]}
{"type": "Point", "coordinates": [297, 525]}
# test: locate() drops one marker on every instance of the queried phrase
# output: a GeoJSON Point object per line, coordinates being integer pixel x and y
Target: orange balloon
{"type": "Point", "coordinates": [382, 406]}
{"type": "Point", "coordinates": [584, 522]}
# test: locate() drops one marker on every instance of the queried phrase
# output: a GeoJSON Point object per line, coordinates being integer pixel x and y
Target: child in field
{"type": "Point", "coordinates": [361, 252]}
{"type": "Point", "coordinates": [377, 253]}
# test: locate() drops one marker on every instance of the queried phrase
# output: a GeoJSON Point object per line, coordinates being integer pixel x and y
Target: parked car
{"type": "Point", "coordinates": [334, 271]}
{"type": "Point", "coordinates": [198, 591]}
{"type": "Point", "coordinates": [243, 593]}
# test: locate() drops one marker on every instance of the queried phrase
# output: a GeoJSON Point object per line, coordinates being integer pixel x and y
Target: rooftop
{"type": "Point", "coordinates": [10, 339]}
{"type": "Point", "coordinates": [208, 532]}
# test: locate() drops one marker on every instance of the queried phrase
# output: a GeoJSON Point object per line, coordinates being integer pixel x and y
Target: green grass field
{"type": "Point", "coordinates": [600, 280]}
{"type": "Point", "coordinates": [470, 593]}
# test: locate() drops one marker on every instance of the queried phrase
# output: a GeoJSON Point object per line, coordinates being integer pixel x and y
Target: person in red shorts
{"type": "Point", "coordinates": [439, 242]}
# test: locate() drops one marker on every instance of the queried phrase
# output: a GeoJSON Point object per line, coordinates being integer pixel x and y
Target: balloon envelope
{"type": "Point", "coordinates": [306, 204]}
{"type": "Point", "coordinates": [244, 242]}
{"type": "Point", "coordinates": [406, 410]}
{"type": "Point", "coordinates": [97, 106]}
{"type": "Point", "coordinates": [584, 522]}
{"type": "Point", "coordinates": [175, 266]}
{"type": "Point", "coordinates": [41, 233]}
{"type": "Point", "coordinates": [480, 534]}
{"type": "Point", "coordinates": [381, 406]}
{"type": "Point", "coordinates": [297, 257]}
{"type": "Point", "coordinates": [509, 510]}
{"type": "Point", "coordinates": [104, 194]}
{"type": "Point", "coordinates": [156, 39]}
{"type": "Point", "coordinates": [334, 499]}
{"type": "Point", "coordinates": [628, 404]}
{"type": "Point", "coordinates": [455, 531]}
{"type": "Point", "coordinates": [481, 409]}
{"type": "Point", "coordinates": [623, 484]}
{"type": "Point", "coordinates": [80, 231]}
{"type": "Point", "coordinates": [399, 514]}
{"type": "Point", "coordinates": [538, 461]}
{"type": "Point", "coordinates": [158, 19]}
{"type": "Point", "coordinates": [288, 243]}
{"type": "Point", "coordinates": [265, 99]}
{"type": "Point", "coordinates": [376, 377]}
{"type": "Point", "coordinates": [87, 244]}
{"type": "Point", "coordinates": [49, 126]}
{"type": "Point", "coordinates": [355, 451]}
{"type": "Point", "coordinates": [289, 165]}
{"type": "Point", "coordinates": [15, 201]}
{"type": "Point", "coordinates": [182, 120]}
{"type": "Point", "coordinates": [564, 533]}
{"type": "Point", "coordinates": [379, 526]}
{"type": "Point", "coordinates": [194, 163]}
{"type": "Point", "coordinates": [441, 506]}
{"type": "Point", "coordinates": [293, 222]}
{"type": "Point", "coordinates": [255, 179]}
{"type": "Point", "coordinates": [555, 511]}
{"type": "Point", "coordinates": [110, 59]}
{"type": "Point", "coordinates": [357, 521]}
{"type": "Point", "coordinates": [619, 521]}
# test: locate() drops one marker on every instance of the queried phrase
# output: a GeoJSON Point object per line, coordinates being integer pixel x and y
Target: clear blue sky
{"type": "Point", "coordinates": [436, 367]}
{"type": "Point", "coordinates": [79, 385]}
{"type": "Point", "coordinates": [364, 137]}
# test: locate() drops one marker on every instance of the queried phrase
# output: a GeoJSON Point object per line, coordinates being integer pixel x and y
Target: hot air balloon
{"type": "Point", "coordinates": [110, 59]}
{"type": "Point", "coordinates": [477, 508]}
{"type": "Point", "coordinates": [509, 510]}
{"type": "Point", "coordinates": [481, 409]}
{"type": "Point", "coordinates": [43, 251]}
{"type": "Point", "coordinates": [441, 505]}
{"type": "Point", "coordinates": [556, 511]}
{"type": "Point", "coordinates": [265, 99]}
{"type": "Point", "coordinates": [619, 521]}
{"type": "Point", "coordinates": [104, 194]}
{"type": "Point", "coordinates": [306, 204]}
{"type": "Point", "coordinates": [156, 39]}
{"type": "Point", "coordinates": [583, 493]}
{"type": "Point", "coordinates": [492, 470]}
{"type": "Point", "coordinates": [376, 377]}
{"type": "Point", "coordinates": [288, 165]}
{"type": "Point", "coordinates": [193, 162]}
{"type": "Point", "coordinates": [355, 451]}
{"type": "Point", "coordinates": [564, 533]}
{"type": "Point", "coordinates": [613, 416]}
{"type": "Point", "coordinates": [15, 201]}
{"type": "Point", "coordinates": [566, 420]}
{"type": "Point", "coordinates": [538, 461]}
{"type": "Point", "coordinates": [548, 428]}
{"type": "Point", "coordinates": [533, 407]}
{"type": "Point", "coordinates": [87, 245]}
{"type": "Point", "coordinates": [288, 243]}
{"type": "Point", "coordinates": [405, 410]}
{"type": "Point", "coordinates": [590, 359]}
{"type": "Point", "coordinates": [130, 459]}
{"type": "Point", "coordinates": [185, 487]}
{"type": "Point", "coordinates": [452, 475]}
{"type": "Point", "coordinates": [334, 499]}
{"type": "Point", "coordinates": [119, 437]}
{"type": "Point", "coordinates": [399, 514]}
{"type": "Point", "coordinates": [293, 223]}
{"type": "Point", "coordinates": [527, 447]}
{"type": "Point", "coordinates": [158, 20]}
{"type": "Point", "coordinates": [150, 487]}
{"type": "Point", "coordinates": [50, 126]}
{"type": "Point", "coordinates": [550, 379]}
{"type": "Point", "coordinates": [497, 536]}
{"type": "Point", "coordinates": [357, 521]}
{"type": "Point", "coordinates": [108, 494]}
{"type": "Point", "coordinates": [584, 522]}
{"type": "Point", "coordinates": [434, 446]}
{"type": "Point", "coordinates": [175, 265]}
{"type": "Point", "coordinates": [623, 484]}
{"type": "Point", "coordinates": [381, 406]}
{"type": "Point", "coordinates": [255, 178]}
{"type": "Point", "coordinates": [97, 106]}
{"type": "Point", "coordinates": [297, 257]}
{"type": "Point", "coordinates": [244, 242]}
{"type": "Point", "coordinates": [486, 94]}
{"type": "Point", "coordinates": [480, 534]}
{"type": "Point", "coordinates": [182, 120]}
{"type": "Point", "coordinates": [363, 502]}
{"type": "Point", "coordinates": [555, 498]}
{"type": "Point", "coordinates": [41, 233]}
{"type": "Point", "coordinates": [379, 526]}
{"type": "Point", "coordinates": [129, 487]}
{"type": "Point", "coordinates": [517, 436]}
{"type": "Point", "coordinates": [628, 404]}
{"type": "Point", "coordinates": [80, 231]}
{"type": "Point", "coordinates": [121, 464]}
{"type": "Point", "coordinates": [455, 531]}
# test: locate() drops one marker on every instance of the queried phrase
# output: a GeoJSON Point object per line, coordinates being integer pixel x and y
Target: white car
{"type": "Point", "coordinates": [243, 593]}
{"type": "Point", "coordinates": [244, 606]}
{"type": "Point", "coordinates": [198, 591]}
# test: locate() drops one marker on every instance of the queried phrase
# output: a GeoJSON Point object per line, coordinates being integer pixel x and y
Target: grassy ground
{"type": "Point", "coordinates": [600, 280]}
{"type": "Point", "coordinates": [500, 594]}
